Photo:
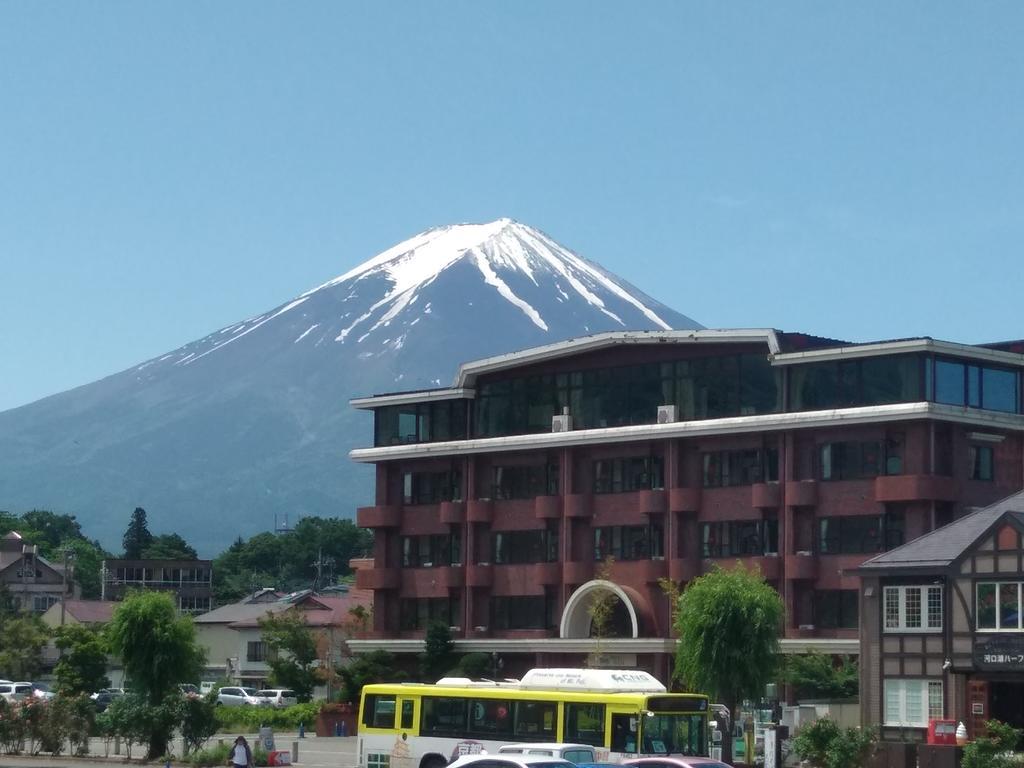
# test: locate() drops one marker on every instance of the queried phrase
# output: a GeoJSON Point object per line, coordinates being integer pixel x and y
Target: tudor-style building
{"type": "Point", "coordinates": [942, 631]}
{"type": "Point", "coordinates": [498, 498]}
{"type": "Point", "coordinates": [30, 581]}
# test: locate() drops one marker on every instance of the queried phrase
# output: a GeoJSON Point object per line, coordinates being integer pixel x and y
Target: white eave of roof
{"type": "Point", "coordinates": [407, 398]}
{"type": "Point", "coordinates": [897, 348]}
{"type": "Point", "coordinates": [733, 425]}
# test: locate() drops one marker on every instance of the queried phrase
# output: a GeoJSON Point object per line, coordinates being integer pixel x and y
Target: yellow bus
{"type": "Point", "coordinates": [621, 713]}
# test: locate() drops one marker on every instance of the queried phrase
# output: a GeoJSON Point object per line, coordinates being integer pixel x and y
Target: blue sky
{"type": "Point", "coordinates": [848, 169]}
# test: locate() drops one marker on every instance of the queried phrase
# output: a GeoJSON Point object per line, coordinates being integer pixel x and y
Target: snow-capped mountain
{"type": "Point", "coordinates": [217, 437]}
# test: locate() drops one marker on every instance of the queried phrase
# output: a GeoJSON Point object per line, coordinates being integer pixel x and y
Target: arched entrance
{"type": "Point", "coordinates": [624, 620]}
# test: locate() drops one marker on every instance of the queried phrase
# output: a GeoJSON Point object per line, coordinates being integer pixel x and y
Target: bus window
{"type": "Point", "coordinates": [584, 724]}
{"type": "Point", "coordinates": [407, 705]}
{"type": "Point", "coordinates": [379, 711]}
{"type": "Point", "coordinates": [490, 718]}
{"type": "Point", "coordinates": [535, 720]}
{"type": "Point", "coordinates": [443, 716]}
{"type": "Point", "coordinates": [624, 733]}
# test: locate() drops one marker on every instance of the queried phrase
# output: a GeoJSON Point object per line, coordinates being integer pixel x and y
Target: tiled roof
{"type": "Point", "coordinates": [944, 545]}
{"type": "Point", "coordinates": [318, 610]}
{"type": "Point", "coordinates": [90, 611]}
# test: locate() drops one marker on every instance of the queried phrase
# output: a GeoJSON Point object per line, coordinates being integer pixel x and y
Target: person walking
{"type": "Point", "coordinates": [241, 755]}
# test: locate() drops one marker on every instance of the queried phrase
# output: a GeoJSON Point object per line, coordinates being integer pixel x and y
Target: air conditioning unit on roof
{"type": "Point", "coordinates": [667, 414]}
{"type": "Point", "coordinates": [562, 423]}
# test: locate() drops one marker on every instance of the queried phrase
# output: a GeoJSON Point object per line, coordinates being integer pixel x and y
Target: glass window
{"type": "Point", "coordinates": [584, 724]}
{"type": "Point", "coordinates": [999, 390]}
{"type": "Point", "coordinates": [999, 606]}
{"type": "Point", "coordinates": [911, 702]}
{"type": "Point", "coordinates": [850, 460]}
{"type": "Point", "coordinates": [524, 612]}
{"type": "Point", "coordinates": [836, 609]}
{"type": "Point", "coordinates": [629, 542]}
{"type": "Point", "coordinates": [624, 475]}
{"type": "Point", "coordinates": [431, 487]}
{"type": "Point", "coordinates": [949, 382]}
{"type": "Point", "coordinates": [443, 716]}
{"type": "Point", "coordinates": [490, 718]}
{"type": "Point", "coordinates": [852, 535]}
{"type": "Point", "coordinates": [525, 481]}
{"type": "Point", "coordinates": [518, 547]}
{"type": "Point", "coordinates": [980, 462]}
{"type": "Point", "coordinates": [407, 713]}
{"type": "Point", "coordinates": [913, 609]}
{"type": "Point", "coordinates": [742, 467]}
{"type": "Point", "coordinates": [378, 711]}
{"type": "Point", "coordinates": [535, 720]}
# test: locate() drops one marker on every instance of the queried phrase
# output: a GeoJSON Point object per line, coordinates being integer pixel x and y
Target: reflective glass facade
{"type": "Point", "coordinates": [710, 387]}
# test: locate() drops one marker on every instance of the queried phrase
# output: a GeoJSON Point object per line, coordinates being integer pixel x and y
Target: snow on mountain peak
{"type": "Point", "coordinates": [496, 249]}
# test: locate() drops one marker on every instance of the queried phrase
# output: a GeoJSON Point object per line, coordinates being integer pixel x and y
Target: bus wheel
{"type": "Point", "coordinates": [433, 761]}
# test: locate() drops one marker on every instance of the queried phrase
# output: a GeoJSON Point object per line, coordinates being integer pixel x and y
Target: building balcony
{"type": "Point", "coordinates": [577, 571]}
{"type": "Point", "coordinates": [802, 493]}
{"type": "Point", "coordinates": [452, 512]}
{"type": "Point", "coordinates": [380, 516]}
{"type": "Point", "coordinates": [547, 573]}
{"type": "Point", "coordinates": [915, 488]}
{"type": "Point", "coordinates": [683, 568]}
{"type": "Point", "coordinates": [378, 578]}
{"type": "Point", "coordinates": [654, 502]}
{"type": "Point", "coordinates": [802, 566]}
{"type": "Point", "coordinates": [579, 505]}
{"type": "Point", "coordinates": [480, 511]}
{"type": "Point", "coordinates": [769, 566]}
{"type": "Point", "coordinates": [479, 575]}
{"type": "Point", "coordinates": [639, 571]}
{"type": "Point", "coordinates": [547, 507]}
{"type": "Point", "coordinates": [765, 495]}
{"type": "Point", "coordinates": [684, 499]}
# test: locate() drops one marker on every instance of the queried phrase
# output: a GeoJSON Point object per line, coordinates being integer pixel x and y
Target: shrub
{"type": "Point", "coordinates": [249, 719]}
{"type": "Point", "coordinates": [994, 750]}
{"type": "Point", "coordinates": [215, 755]}
{"type": "Point", "coordinates": [198, 721]}
{"type": "Point", "coordinates": [12, 728]}
{"type": "Point", "coordinates": [813, 740]}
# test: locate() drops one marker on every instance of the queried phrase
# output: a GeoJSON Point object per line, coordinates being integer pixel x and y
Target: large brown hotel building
{"type": "Point", "coordinates": [500, 499]}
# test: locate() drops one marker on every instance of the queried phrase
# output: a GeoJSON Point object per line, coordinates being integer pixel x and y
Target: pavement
{"type": "Point", "coordinates": [314, 752]}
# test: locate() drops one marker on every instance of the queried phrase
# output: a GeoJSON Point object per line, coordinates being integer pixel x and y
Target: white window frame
{"type": "Point", "coordinates": [927, 614]}
{"type": "Point", "coordinates": [900, 695]}
{"type": "Point", "coordinates": [999, 619]}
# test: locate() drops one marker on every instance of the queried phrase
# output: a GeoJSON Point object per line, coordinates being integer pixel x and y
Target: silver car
{"type": "Point", "coordinates": [278, 697]}
{"type": "Point", "coordinates": [236, 696]}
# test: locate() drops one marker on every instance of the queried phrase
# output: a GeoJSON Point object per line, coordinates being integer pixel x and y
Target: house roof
{"type": "Point", "coordinates": [318, 610]}
{"type": "Point", "coordinates": [90, 611]}
{"type": "Point", "coordinates": [943, 546]}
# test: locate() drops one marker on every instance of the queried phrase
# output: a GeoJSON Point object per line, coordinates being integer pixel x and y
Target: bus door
{"type": "Point", "coordinates": [406, 722]}
{"type": "Point", "coordinates": [624, 726]}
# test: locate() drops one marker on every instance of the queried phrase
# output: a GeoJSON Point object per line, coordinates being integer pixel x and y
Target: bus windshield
{"type": "Point", "coordinates": [673, 734]}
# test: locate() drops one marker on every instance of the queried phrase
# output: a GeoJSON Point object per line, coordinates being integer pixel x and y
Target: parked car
{"type": "Point", "coordinates": [15, 691]}
{"type": "Point", "coordinates": [574, 753]}
{"type": "Point", "coordinates": [278, 697]}
{"type": "Point", "coordinates": [675, 762]}
{"type": "Point", "coordinates": [188, 689]}
{"type": "Point", "coordinates": [510, 760]}
{"type": "Point", "coordinates": [236, 696]}
{"type": "Point", "coordinates": [105, 698]}
{"type": "Point", "coordinates": [42, 691]}
{"type": "Point", "coordinates": [114, 691]}
{"type": "Point", "coordinates": [206, 686]}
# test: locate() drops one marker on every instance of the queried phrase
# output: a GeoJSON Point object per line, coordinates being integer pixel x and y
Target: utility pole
{"type": "Point", "coordinates": [69, 558]}
{"type": "Point", "coordinates": [320, 564]}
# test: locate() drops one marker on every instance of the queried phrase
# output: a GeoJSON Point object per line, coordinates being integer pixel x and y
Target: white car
{"type": "Point", "coordinates": [278, 697]}
{"type": "Point", "coordinates": [236, 696]}
{"type": "Point", "coordinates": [15, 691]}
{"type": "Point", "coordinates": [574, 753]}
{"type": "Point", "coordinates": [510, 760]}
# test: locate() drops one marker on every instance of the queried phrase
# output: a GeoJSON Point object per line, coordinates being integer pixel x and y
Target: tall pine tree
{"type": "Point", "coordinates": [137, 537]}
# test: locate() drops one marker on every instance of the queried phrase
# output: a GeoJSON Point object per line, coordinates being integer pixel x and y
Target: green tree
{"type": "Point", "coordinates": [816, 676]}
{"type": "Point", "coordinates": [22, 637]}
{"type": "Point", "coordinates": [600, 610]}
{"type": "Point", "coordinates": [436, 659]}
{"type": "Point", "coordinates": [137, 536]}
{"type": "Point", "coordinates": [294, 664]}
{"type": "Point", "coordinates": [374, 667]}
{"type": "Point", "coordinates": [169, 546]}
{"type": "Point", "coordinates": [199, 721]}
{"type": "Point", "coordinates": [86, 565]}
{"type": "Point", "coordinates": [159, 651]}
{"type": "Point", "coordinates": [994, 750]}
{"type": "Point", "coordinates": [82, 668]}
{"type": "Point", "coordinates": [729, 626]}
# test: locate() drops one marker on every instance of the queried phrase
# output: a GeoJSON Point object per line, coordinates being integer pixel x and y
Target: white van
{"type": "Point", "coordinates": [574, 753]}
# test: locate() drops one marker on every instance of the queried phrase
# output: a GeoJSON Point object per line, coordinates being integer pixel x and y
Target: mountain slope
{"type": "Point", "coordinates": [216, 437]}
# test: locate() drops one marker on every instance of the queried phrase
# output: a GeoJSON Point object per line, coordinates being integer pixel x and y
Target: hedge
{"type": "Point", "coordinates": [248, 719]}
